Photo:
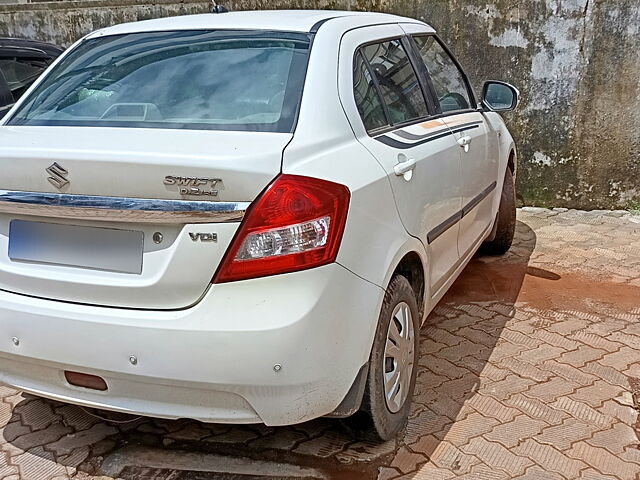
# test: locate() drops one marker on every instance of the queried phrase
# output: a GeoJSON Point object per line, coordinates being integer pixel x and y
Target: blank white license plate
{"type": "Point", "coordinates": [83, 247]}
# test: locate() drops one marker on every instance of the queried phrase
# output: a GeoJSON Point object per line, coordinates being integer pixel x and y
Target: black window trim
{"type": "Point", "coordinates": [421, 74]}
{"type": "Point", "coordinates": [376, 87]}
{"type": "Point", "coordinates": [409, 49]}
{"type": "Point", "coordinates": [465, 79]}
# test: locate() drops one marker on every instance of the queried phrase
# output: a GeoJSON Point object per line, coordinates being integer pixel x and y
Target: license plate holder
{"type": "Point", "coordinates": [92, 248]}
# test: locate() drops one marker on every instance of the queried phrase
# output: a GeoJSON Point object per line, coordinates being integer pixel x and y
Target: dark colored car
{"type": "Point", "coordinates": [21, 63]}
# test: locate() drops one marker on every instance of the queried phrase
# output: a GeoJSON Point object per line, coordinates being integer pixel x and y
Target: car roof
{"type": "Point", "coordinates": [275, 20]}
{"type": "Point", "coordinates": [21, 46]}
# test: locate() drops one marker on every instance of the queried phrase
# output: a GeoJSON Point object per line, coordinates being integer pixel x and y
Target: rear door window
{"type": "Point", "coordinates": [397, 81]}
{"type": "Point", "coordinates": [447, 79]}
{"type": "Point", "coordinates": [367, 98]}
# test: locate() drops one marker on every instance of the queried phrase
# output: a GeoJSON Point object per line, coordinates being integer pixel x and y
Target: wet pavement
{"type": "Point", "coordinates": [529, 369]}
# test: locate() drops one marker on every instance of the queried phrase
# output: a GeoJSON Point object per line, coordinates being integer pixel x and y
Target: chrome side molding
{"type": "Point", "coordinates": [119, 209]}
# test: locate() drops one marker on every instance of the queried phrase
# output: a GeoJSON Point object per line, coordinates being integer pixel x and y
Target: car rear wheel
{"type": "Point", "coordinates": [506, 220]}
{"type": "Point", "coordinates": [392, 365]}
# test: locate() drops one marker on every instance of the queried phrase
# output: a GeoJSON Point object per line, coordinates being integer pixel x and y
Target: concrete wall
{"type": "Point", "coordinates": [575, 61]}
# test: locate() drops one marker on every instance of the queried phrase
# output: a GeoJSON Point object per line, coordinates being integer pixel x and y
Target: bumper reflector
{"type": "Point", "coordinates": [85, 381]}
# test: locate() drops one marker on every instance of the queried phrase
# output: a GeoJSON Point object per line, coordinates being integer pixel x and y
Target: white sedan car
{"type": "Point", "coordinates": [244, 217]}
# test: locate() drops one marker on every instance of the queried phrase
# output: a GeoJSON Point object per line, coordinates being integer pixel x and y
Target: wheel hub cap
{"type": "Point", "coordinates": [399, 356]}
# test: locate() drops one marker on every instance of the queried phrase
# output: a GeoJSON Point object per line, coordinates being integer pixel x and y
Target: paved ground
{"type": "Point", "coordinates": [528, 370]}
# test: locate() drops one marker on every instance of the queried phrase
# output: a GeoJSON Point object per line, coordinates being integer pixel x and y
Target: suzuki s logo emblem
{"type": "Point", "coordinates": [58, 176]}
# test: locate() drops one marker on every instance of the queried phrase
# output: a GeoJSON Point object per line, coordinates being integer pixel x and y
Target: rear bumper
{"type": "Point", "coordinates": [213, 362]}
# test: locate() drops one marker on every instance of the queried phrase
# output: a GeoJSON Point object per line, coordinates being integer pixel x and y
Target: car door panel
{"type": "Point", "coordinates": [430, 201]}
{"type": "Point", "coordinates": [455, 102]}
{"type": "Point", "coordinates": [479, 173]}
{"type": "Point", "coordinates": [428, 193]}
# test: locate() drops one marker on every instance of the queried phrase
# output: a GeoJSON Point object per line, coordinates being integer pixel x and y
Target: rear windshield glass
{"type": "Point", "coordinates": [219, 80]}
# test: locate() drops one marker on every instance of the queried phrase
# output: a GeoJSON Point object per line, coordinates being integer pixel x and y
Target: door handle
{"type": "Point", "coordinates": [464, 142]}
{"type": "Point", "coordinates": [404, 167]}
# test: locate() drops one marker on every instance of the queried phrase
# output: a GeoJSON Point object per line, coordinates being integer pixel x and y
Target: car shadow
{"type": "Point", "coordinates": [457, 340]}
{"type": "Point", "coordinates": [460, 335]}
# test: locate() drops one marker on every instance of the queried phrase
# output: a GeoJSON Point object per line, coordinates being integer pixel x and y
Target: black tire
{"type": "Point", "coordinates": [506, 220]}
{"type": "Point", "coordinates": [385, 424]}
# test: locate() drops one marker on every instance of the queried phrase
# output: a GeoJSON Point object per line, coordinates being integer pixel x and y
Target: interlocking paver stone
{"type": "Point", "coordinates": [575, 375]}
{"type": "Point", "coordinates": [490, 407]}
{"type": "Point", "coordinates": [582, 411]}
{"type": "Point", "coordinates": [564, 435]}
{"type": "Point", "coordinates": [537, 409]}
{"type": "Point", "coordinates": [604, 461]}
{"type": "Point", "coordinates": [582, 355]}
{"type": "Point", "coordinates": [513, 433]}
{"type": "Point", "coordinates": [498, 456]}
{"type": "Point", "coordinates": [596, 394]}
{"type": "Point", "coordinates": [524, 372]}
{"type": "Point", "coordinates": [616, 439]}
{"type": "Point", "coordinates": [448, 456]}
{"type": "Point", "coordinates": [606, 373]}
{"type": "Point", "coordinates": [550, 390]}
{"type": "Point", "coordinates": [473, 425]}
{"type": "Point", "coordinates": [550, 459]}
{"type": "Point", "coordinates": [538, 473]}
{"type": "Point", "coordinates": [407, 461]}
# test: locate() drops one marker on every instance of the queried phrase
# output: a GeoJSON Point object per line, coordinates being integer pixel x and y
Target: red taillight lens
{"type": "Point", "coordinates": [295, 224]}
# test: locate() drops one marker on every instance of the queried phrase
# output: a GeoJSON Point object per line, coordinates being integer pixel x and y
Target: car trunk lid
{"type": "Point", "coordinates": [125, 217]}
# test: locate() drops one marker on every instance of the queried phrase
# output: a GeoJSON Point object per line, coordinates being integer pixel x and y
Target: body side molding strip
{"type": "Point", "coordinates": [451, 221]}
{"type": "Point", "coordinates": [119, 209]}
{"type": "Point", "coordinates": [444, 226]}
{"type": "Point", "coordinates": [477, 199]}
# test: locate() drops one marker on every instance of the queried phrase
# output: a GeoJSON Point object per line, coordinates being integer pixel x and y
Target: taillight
{"type": "Point", "coordinates": [295, 224]}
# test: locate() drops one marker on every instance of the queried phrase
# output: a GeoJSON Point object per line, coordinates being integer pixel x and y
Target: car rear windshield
{"type": "Point", "coordinates": [218, 80]}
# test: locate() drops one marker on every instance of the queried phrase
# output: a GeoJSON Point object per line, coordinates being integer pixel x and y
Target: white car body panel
{"type": "Point", "coordinates": [373, 228]}
{"type": "Point", "coordinates": [114, 162]}
{"type": "Point", "coordinates": [210, 351]}
{"type": "Point", "coordinates": [212, 362]}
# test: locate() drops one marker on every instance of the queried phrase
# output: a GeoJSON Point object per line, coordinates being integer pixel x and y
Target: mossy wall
{"type": "Point", "coordinates": [576, 62]}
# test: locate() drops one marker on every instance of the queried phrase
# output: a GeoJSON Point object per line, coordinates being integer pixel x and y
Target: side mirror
{"type": "Point", "coordinates": [500, 96]}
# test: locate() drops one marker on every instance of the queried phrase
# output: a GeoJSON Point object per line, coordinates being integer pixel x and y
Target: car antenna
{"type": "Point", "coordinates": [217, 8]}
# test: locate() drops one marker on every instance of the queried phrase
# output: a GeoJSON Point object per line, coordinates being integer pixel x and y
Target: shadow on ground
{"type": "Point", "coordinates": [449, 374]}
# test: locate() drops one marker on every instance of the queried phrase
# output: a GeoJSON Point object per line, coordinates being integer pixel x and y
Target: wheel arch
{"type": "Point", "coordinates": [512, 162]}
{"type": "Point", "coordinates": [412, 266]}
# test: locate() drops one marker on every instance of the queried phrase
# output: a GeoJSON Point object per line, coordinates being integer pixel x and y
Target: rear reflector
{"type": "Point", "coordinates": [85, 381]}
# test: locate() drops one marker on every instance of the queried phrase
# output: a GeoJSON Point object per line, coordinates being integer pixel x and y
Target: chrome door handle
{"type": "Point", "coordinates": [464, 142]}
{"type": "Point", "coordinates": [403, 167]}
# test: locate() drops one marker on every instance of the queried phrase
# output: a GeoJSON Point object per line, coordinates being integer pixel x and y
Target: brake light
{"type": "Point", "coordinates": [295, 224]}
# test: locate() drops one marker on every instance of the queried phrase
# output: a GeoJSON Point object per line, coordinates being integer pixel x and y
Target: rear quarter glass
{"type": "Point", "coordinates": [194, 79]}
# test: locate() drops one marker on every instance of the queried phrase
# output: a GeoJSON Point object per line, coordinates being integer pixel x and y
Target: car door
{"type": "Point", "coordinates": [419, 154]}
{"type": "Point", "coordinates": [457, 108]}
